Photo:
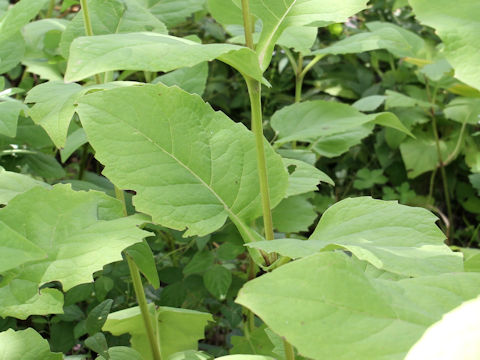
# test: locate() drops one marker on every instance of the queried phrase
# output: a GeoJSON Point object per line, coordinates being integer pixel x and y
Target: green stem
{"type": "Point", "coordinates": [289, 352]}
{"type": "Point", "coordinates": [247, 24]}
{"type": "Point", "coordinates": [142, 303]}
{"type": "Point", "coordinates": [299, 79]}
{"type": "Point", "coordinates": [83, 162]}
{"type": "Point", "coordinates": [51, 7]}
{"type": "Point", "coordinates": [254, 92]}
{"type": "Point", "coordinates": [88, 29]}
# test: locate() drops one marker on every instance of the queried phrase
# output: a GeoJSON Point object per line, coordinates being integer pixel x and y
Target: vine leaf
{"type": "Point", "coordinates": [392, 237]}
{"type": "Point", "coordinates": [309, 301]}
{"type": "Point", "coordinates": [191, 167]}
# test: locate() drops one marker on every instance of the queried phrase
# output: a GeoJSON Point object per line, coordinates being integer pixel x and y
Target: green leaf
{"type": "Point", "coordinates": [397, 40]}
{"type": "Point", "coordinates": [123, 353]}
{"type": "Point", "coordinates": [44, 165]}
{"type": "Point", "coordinates": [91, 55]}
{"type": "Point", "coordinates": [367, 179]}
{"type": "Point", "coordinates": [97, 317]}
{"type": "Point", "coordinates": [9, 112]}
{"type": "Point", "coordinates": [464, 110]}
{"type": "Point", "coordinates": [12, 44]}
{"type": "Point", "coordinates": [192, 79]}
{"type": "Point", "coordinates": [369, 103]}
{"type": "Point", "coordinates": [325, 301]}
{"type": "Point", "coordinates": [453, 337]}
{"type": "Point", "coordinates": [178, 329]}
{"type": "Point", "coordinates": [12, 184]}
{"type": "Point", "coordinates": [380, 232]}
{"type": "Point", "coordinates": [200, 262]}
{"type": "Point", "coordinates": [65, 226]}
{"type": "Point", "coordinates": [98, 343]}
{"type": "Point", "coordinates": [319, 119]}
{"type": "Point", "coordinates": [74, 141]}
{"type": "Point", "coordinates": [217, 280]}
{"type": "Point", "coordinates": [54, 108]}
{"type": "Point", "coordinates": [256, 342]}
{"type": "Point", "coordinates": [304, 177]}
{"type": "Point", "coordinates": [112, 17]}
{"type": "Point", "coordinates": [245, 357]}
{"type": "Point", "coordinates": [294, 214]}
{"type": "Point", "coordinates": [192, 166]}
{"type": "Point", "coordinates": [278, 15]}
{"type": "Point", "coordinates": [458, 27]}
{"type": "Point", "coordinates": [21, 298]}
{"type": "Point", "coordinates": [25, 345]}
{"type": "Point", "coordinates": [190, 355]}
{"type": "Point", "coordinates": [172, 12]}
{"type": "Point", "coordinates": [143, 257]}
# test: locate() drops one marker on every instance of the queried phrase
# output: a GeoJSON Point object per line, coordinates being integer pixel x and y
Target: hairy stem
{"type": "Point", "coordinates": [88, 28]}
{"type": "Point", "coordinates": [142, 303]}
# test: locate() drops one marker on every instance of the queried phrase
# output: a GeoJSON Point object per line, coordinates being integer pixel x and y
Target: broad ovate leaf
{"type": "Point", "coordinates": [303, 177]}
{"type": "Point", "coordinates": [458, 26]}
{"type": "Point", "coordinates": [90, 55]}
{"type": "Point", "coordinates": [314, 121]}
{"type": "Point", "coordinates": [279, 15]}
{"type": "Point", "coordinates": [178, 329]}
{"type": "Point", "coordinates": [396, 238]}
{"type": "Point", "coordinates": [25, 345]}
{"type": "Point", "coordinates": [453, 337]}
{"type": "Point", "coordinates": [191, 167]}
{"type": "Point", "coordinates": [62, 228]}
{"type": "Point", "coordinates": [328, 308]}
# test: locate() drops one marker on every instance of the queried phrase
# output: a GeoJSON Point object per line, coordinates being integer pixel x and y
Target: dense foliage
{"type": "Point", "coordinates": [239, 179]}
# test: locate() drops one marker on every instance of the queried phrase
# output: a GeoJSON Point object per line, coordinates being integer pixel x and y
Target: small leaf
{"type": "Point", "coordinates": [217, 279]}
{"type": "Point", "coordinates": [124, 353]}
{"type": "Point", "coordinates": [304, 177]}
{"type": "Point", "coordinates": [367, 179]}
{"type": "Point", "coordinates": [12, 184]}
{"type": "Point", "coordinates": [200, 262]}
{"type": "Point", "coordinates": [98, 343]}
{"type": "Point", "coordinates": [294, 214]}
{"type": "Point", "coordinates": [143, 257]}
{"type": "Point", "coordinates": [97, 317]}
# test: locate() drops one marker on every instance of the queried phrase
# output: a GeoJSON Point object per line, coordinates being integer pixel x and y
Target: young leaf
{"type": "Point", "coordinates": [325, 300]}
{"type": "Point", "coordinates": [143, 257]}
{"type": "Point", "coordinates": [294, 214]}
{"type": "Point", "coordinates": [278, 15]}
{"type": "Point", "coordinates": [91, 55]}
{"type": "Point", "coordinates": [25, 345]}
{"type": "Point", "coordinates": [217, 280]}
{"type": "Point", "coordinates": [178, 329]}
{"type": "Point", "coordinates": [366, 179]}
{"type": "Point", "coordinates": [380, 232]}
{"type": "Point", "coordinates": [458, 27]}
{"type": "Point", "coordinates": [98, 343]}
{"type": "Point", "coordinates": [123, 353]}
{"type": "Point", "coordinates": [453, 337]}
{"type": "Point", "coordinates": [66, 225]}
{"type": "Point", "coordinates": [191, 167]}
{"type": "Point", "coordinates": [97, 316]}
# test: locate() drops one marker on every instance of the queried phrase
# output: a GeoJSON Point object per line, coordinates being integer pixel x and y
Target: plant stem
{"type": "Point", "coordinates": [299, 79]}
{"type": "Point", "coordinates": [254, 92]}
{"type": "Point", "coordinates": [88, 29]}
{"type": "Point", "coordinates": [142, 303]}
{"type": "Point", "coordinates": [51, 6]}
{"type": "Point", "coordinates": [289, 352]}
{"type": "Point", "coordinates": [247, 24]}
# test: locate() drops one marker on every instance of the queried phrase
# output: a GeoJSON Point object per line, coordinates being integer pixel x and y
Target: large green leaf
{"type": "Point", "coordinates": [328, 308]}
{"type": "Point", "coordinates": [177, 329]}
{"type": "Point", "coordinates": [453, 337]}
{"type": "Point", "coordinates": [172, 12]}
{"type": "Point", "coordinates": [66, 228]}
{"type": "Point", "coordinates": [12, 44]}
{"type": "Point", "coordinates": [112, 17]}
{"type": "Point", "coordinates": [192, 79]}
{"type": "Point", "coordinates": [9, 112]}
{"type": "Point", "coordinates": [12, 184]}
{"type": "Point", "coordinates": [458, 26]}
{"type": "Point", "coordinates": [190, 166]}
{"type": "Point", "coordinates": [312, 121]}
{"type": "Point", "coordinates": [278, 15]}
{"type": "Point", "coordinates": [91, 55]}
{"type": "Point", "coordinates": [25, 345]}
{"type": "Point", "coordinates": [399, 41]}
{"type": "Point", "coordinates": [396, 238]}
